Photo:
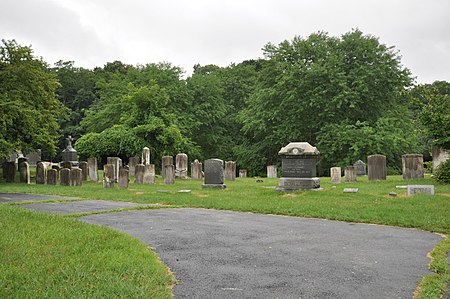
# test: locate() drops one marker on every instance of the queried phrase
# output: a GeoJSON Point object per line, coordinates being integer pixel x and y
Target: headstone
{"type": "Point", "coordinates": [149, 174]}
{"type": "Point", "coordinates": [34, 157]}
{"type": "Point", "coordinates": [92, 169]}
{"type": "Point", "coordinates": [66, 164]}
{"type": "Point", "coordinates": [214, 174]}
{"type": "Point", "coordinates": [116, 162]}
{"type": "Point", "coordinates": [108, 175]}
{"type": "Point", "coordinates": [166, 160]}
{"type": "Point", "coordinates": [11, 157]}
{"type": "Point", "coordinates": [75, 176]}
{"type": "Point", "coordinates": [298, 166]}
{"type": "Point", "coordinates": [440, 155]}
{"type": "Point", "coordinates": [335, 173]}
{"type": "Point", "coordinates": [52, 177]}
{"type": "Point", "coordinates": [132, 162]}
{"type": "Point", "coordinates": [272, 172]}
{"type": "Point", "coordinates": [181, 166]}
{"type": "Point", "coordinates": [145, 156]}
{"type": "Point", "coordinates": [41, 173]}
{"type": "Point", "coordinates": [84, 170]}
{"type": "Point", "coordinates": [412, 165]}
{"type": "Point", "coordinates": [376, 165]}
{"type": "Point", "coordinates": [423, 189]}
{"type": "Point", "coordinates": [196, 170]}
{"type": "Point", "coordinates": [242, 173]}
{"type": "Point", "coordinates": [10, 171]}
{"type": "Point", "coordinates": [169, 174]}
{"type": "Point", "coordinates": [230, 170]}
{"type": "Point", "coordinates": [69, 154]}
{"type": "Point", "coordinates": [20, 161]}
{"type": "Point", "coordinates": [64, 176]}
{"type": "Point", "coordinates": [123, 177]}
{"type": "Point", "coordinates": [360, 168]}
{"type": "Point", "coordinates": [139, 174]}
{"type": "Point", "coordinates": [24, 170]}
{"type": "Point", "coordinates": [350, 174]}
{"type": "Point", "coordinates": [393, 194]}
{"type": "Point", "coordinates": [351, 190]}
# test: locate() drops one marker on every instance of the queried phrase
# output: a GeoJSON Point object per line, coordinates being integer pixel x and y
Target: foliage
{"type": "Point", "coordinates": [442, 173]}
{"type": "Point", "coordinates": [29, 109]}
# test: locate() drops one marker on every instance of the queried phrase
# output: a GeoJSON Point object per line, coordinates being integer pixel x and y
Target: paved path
{"type": "Point", "coordinates": [222, 254]}
{"type": "Point", "coordinates": [16, 197]}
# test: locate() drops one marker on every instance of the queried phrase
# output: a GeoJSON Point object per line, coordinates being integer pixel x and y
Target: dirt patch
{"type": "Point", "coordinates": [139, 193]}
{"type": "Point", "coordinates": [200, 195]}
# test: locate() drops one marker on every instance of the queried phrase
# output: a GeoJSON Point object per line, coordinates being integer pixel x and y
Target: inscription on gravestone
{"type": "Point", "coordinates": [298, 166]}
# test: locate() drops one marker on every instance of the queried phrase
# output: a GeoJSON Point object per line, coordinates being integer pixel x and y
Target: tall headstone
{"type": "Point", "coordinates": [181, 166]}
{"type": "Point", "coordinates": [24, 170]}
{"type": "Point", "coordinates": [20, 161]}
{"type": "Point", "coordinates": [132, 162]}
{"type": "Point", "coordinates": [109, 173]}
{"type": "Point", "coordinates": [214, 174]}
{"type": "Point", "coordinates": [41, 173]}
{"type": "Point", "coordinates": [139, 174]}
{"type": "Point", "coordinates": [376, 166]}
{"type": "Point", "coordinates": [145, 156]}
{"type": "Point", "coordinates": [149, 174]}
{"type": "Point", "coordinates": [69, 154]}
{"type": "Point", "coordinates": [64, 176]}
{"type": "Point", "coordinates": [34, 157]}
{"type": "Point", "coordinates": [116, 162]}
{"type": "Point", "coordinates": [272, 172]}
{"type": "Point", "coordinates": [242, 173]}
{"type": "Point", "coordinates": [92, 169]}
{"type": "Point", "coordinates": [196, 170]}
{"type": "Point", "coordinates": [440, 155]}
{"type": "Point", "coordinates": [412, 165]}
{"type": "Point", "coordinates": [166, 160]}
{"type": "Point", "coordinates": [84, 170]}
{"type": "Point", "coordinates": [169, 174]}
{"type": "Point", "coordinates": [123, 177]}
{"type": "Point", "coordinates": [360, 168]}
{"type": "Point", "coordinates": [335, 173]}
{"type": "Point", "coordinates": [52, 177]}
{"type": "Point", "coordinates": [350, 174]}
{"type": "Point", "coordinates": [75, 176]}
{"type": "Point", "coordinates": [230, 170]}
{"type": "Point", "coordinates": [298, 166]}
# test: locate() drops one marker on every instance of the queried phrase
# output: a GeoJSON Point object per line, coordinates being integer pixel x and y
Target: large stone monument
{"type": "Point", "coordinates": [412, 165]}
{"type": "Point", "coordinates": [69, 154]}
{"type": "Point", "coordinates": [214, 174]}
{"type": "Point", "coordinates": [377, 169]}
{"type": "Point", "coordinates": [298, 164]}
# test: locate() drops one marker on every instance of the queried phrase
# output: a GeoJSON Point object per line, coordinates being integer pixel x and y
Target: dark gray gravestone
{"type": "Point", "coordinates": [24, 170]}
{"type": "Point", "coordinates": [69, 154]}
{"type": "Point", "coordinates": [213, 174]}
{"type": "Point", "coordinates": [377, 167]}
{"type": "Point", "coordinates": [139, 174]}
{"type": "Point", "coordinates": [52, 177]}
{"type": "Point", "coordinates": [84, 170]}
{"type": "Point", "coordinates": [166, 160]}
{"type": "Point", "coordinates": [41, 173]}
{"type": "Point", "coordinates": [132, 162]}
{"type": "Point", "coordinates": [350, 174]}
{"type": "Point", "coordinates": [10, 172]}
{"type": "Point", "coordinates": [20, 161]}
{"type": "Point", "coordinates": [360, 168]}
{"type": "Point", "coordinates": [230, 171]}
{"type": "Point", "coordinates": [75, 176]}
{"type": "Point", "coordinates": [169, 174]}
{"type": "Point", "coordinates": [412, 165]}
{"type": "Point", "coordinates": [196, 170]}
{"type": "Point", "coordinates": [64, 177]}
{"type": "Point", "coordinates": [123, 177]}
{"type": "Point", "coordinates": [92, 169]}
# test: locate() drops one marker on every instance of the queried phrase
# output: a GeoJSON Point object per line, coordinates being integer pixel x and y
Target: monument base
{"type": "Point", "coordinates": [289, 184]}
{"type": "Point", "coordinates": [216, 186]}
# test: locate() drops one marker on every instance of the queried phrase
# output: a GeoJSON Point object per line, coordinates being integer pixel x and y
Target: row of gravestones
{"type": "Point", "coordinates": [412, 166]}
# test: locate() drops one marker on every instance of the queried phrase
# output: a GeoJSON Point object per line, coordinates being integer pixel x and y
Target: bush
{"type": "Point", "coordinates": [442, 173]}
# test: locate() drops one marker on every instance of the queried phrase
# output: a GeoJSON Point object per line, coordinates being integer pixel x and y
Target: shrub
{"type": "Point", "coordinates": [442, 173]}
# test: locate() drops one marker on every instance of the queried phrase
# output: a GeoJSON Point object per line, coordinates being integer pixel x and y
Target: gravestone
{"type": "Point", "coordinates": [335, 173]}
{"type": "Point", "coordinates": [145, 156]}
{"type": "Point", "coordinates": [64, 177]}
{"type": "Point", "coordinates": [230, 170]}
{"type": "Point", "coordinates": [20, 161]}
{"type": "Point", "coordinates": [34, 157]}
{"type": "Point", "coordinates": [66, 164]}
{"type": "Point", "coordinates": [132, 162]}
{"type": "Point", "coordinates": [298, 165]}
{"type": "Point", "coordinates": [41, 173]}
{"type": "Point", "coordinates": [181, 166]}
{"type": "Point", "coordinates": [123, 177]}
{"type": "Point", "coordinates": [75, 176]}
{"type": "Point", "coordinates": [350, 174]}
{"type": "Point", "coordinates": [166, 160]}
{"type": "Point", "coordinates": [52, 177]}
{"type": "Point", "coordinates": [242, 173]}
{"type": "Point", "coordinates": [376, 165]}
{"type": "Point", "coordinates": [69, 154]}
{"type": "Point", "coordinates": [24, 170]}
{"type": "Point", "coordinates": [84, 170]}
{"type": "Point", "coordinates": [92, 169]}
{"type": "Point", "coordinates": [412, 165]}
{"type": "Point", "coordinates": [214, 174]}
{"type": "Point", "coordinates": [109, 173]}
{"type": "Point", "coordinates": [419, 189]}
{"type": "Point", "coordinates": [272, 172]}
{"type": "Point", "coordinates": [139, 174]}
{"type": "Point", "coordinates": [360, 168]}
{"type": "Point", "coordinates": [149, 174]}
{"type": "Point", "coordinates": [169, 174]}
{"type": "Point", "coordinates": [196, 170]}
{"type": "Point", "coordinates": [440, 155]}
{"type": "Point", "coordinates": [116, 162]}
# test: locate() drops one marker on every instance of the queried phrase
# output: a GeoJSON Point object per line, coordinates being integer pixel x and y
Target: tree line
{"type": "Point", "coordinates": [350, 96]}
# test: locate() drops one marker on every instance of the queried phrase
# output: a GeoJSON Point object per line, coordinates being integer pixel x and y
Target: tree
{"type": "Point", "coordinates": [29, 108]}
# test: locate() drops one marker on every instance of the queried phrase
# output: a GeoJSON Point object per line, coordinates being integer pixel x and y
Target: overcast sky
{"type": "Point", "coordinates": [184, 33]}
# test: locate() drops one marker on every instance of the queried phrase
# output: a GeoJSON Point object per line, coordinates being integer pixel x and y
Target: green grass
{"type": "Point", "coordinates": [372, 204]}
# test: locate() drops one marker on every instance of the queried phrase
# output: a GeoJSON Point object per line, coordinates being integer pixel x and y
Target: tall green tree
{"type": "Point", "coordinates": [29, 108]}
